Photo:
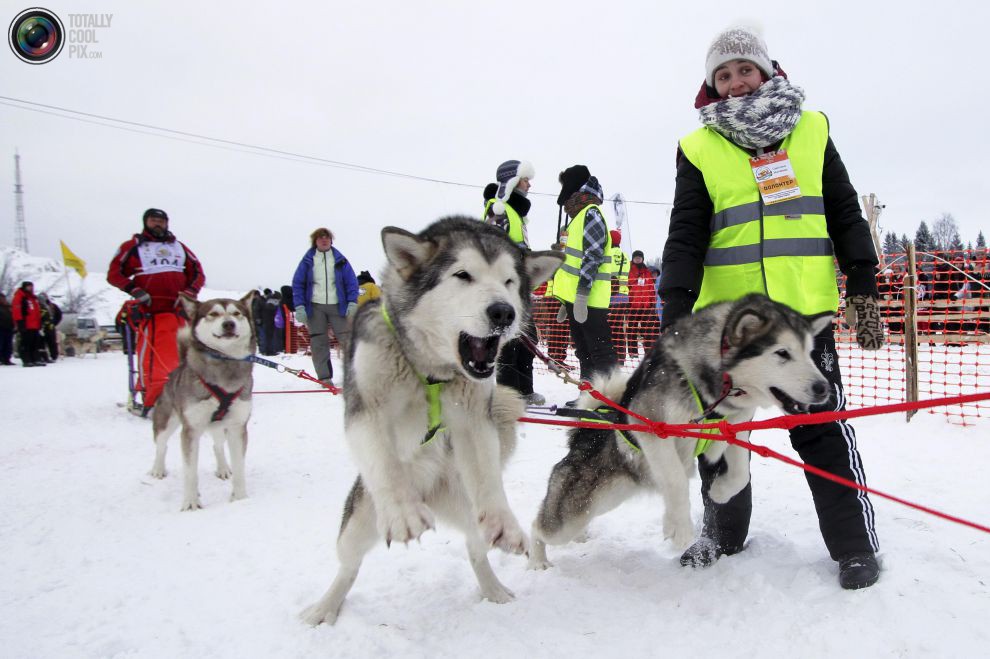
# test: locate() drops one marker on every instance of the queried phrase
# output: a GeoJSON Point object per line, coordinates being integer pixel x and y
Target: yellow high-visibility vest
{"type": "Point", "coordinates": [568, 275]}
{"type": "Point", "coordinates": [516, 233]}
{"type": "Point", "coordinates": [782, 250]}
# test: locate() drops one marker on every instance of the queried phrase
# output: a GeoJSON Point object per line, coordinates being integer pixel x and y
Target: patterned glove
{"type": "Point", "coordinates": [863, 314]}
{"type": "Point", "coordinates": [581, 307]}
{"type": "Point", "coordinates": [301, 314]}
{"type": "Point", "coordinates": [562, 314]}
{"type": "Point", "coordinates": [141, 296]}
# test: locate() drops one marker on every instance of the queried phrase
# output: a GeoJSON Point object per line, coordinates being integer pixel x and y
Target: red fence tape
{"type": "Point", "coordinates": [727, 433]}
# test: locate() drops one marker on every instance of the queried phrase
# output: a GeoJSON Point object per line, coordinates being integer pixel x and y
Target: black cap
{"type": "Point", "coordinates": [155, 212]}
{"type": "Point", "coordinates": [571, 180]}
{"type": "Point", "coordinates": [639, 254]}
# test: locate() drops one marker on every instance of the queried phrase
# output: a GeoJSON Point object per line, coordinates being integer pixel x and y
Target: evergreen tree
{"type": "Point", "coordinates": [923, 239]}
{"type": "Point", "coordinates": [891, 244]}
{"type": "Point", "coordinates": [904, 242]}
{"type": "Point", "coordinates": [955, 243]}
{"type": "Point", "coordinates": [981, 242]}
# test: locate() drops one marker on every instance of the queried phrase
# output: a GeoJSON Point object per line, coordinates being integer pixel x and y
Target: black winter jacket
{"type": "Point", "coordinates": [690, 233]}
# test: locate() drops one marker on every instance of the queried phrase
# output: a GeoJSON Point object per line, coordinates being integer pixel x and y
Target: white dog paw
{"type": "Point", "coordinates": [535, 563]}
{"type": "Point", "coordinates": [500, 529]}
{"type": "Point", "coordinates": [724, 488]}
{"type": "Point", "coordinates": [237, 496]}
{"type": "Point", "coordinates": [498, 594]}
{"type": "Point", "coordinates": [157, 472]}
{"type": "Point", "coordinates": [223, 473]}
{"type": "Point", "coordinates": [315, 614]}
{"type": "Point", "coordinates": [404, 522]}
{"type": "Point", "coordinates": [678, 530]}
{"type": "Point", "coordinates": [191, 505]}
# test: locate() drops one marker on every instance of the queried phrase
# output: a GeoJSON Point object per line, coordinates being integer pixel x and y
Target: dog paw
{"type": "Point", "coordinates": [538, 563]}
{"type": "Point", "coordinates": [403, 522]}
{"type": "Point", "coordinates": [679, 531]}
{"type": "Point", "coordinates": [317, 614]}
{"type": "Point", "coordinates": [223, 473]}
{"type": "Point", "coordinates": [191, 505]}
{"type": "Point", "coordinates": [725, 488]}
{"type": "Point", "coordinates": [158, 472]}
{"type": "Point", "coordinates": [500, 529]}
{"type": "Point", "coordinates": [498, 594]}
{"type": "Point", "coordinates": [237, 496]}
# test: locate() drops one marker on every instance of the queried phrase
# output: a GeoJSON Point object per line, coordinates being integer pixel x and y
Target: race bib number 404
{"type": "Point", "coordinates": [775, 177]}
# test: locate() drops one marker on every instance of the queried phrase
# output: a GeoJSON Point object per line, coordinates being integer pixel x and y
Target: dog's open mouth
{"type": "Point", "coordinates": [478, 354]}
{"type": "Point", "coordinates": [788, 404]}
{"type": "Point", "coordinates": [226, 335]}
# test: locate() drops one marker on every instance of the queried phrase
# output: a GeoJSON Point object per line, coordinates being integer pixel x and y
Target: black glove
{"type": "Point", "coordinates": [141, 296]}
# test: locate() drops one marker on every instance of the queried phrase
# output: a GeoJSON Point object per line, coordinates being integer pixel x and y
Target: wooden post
{"type": "Point", "coordinates": [872, 206]}
{"type": "Point", "coordinates": [910, 294]}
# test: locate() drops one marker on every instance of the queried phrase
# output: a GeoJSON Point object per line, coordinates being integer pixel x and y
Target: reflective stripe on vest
{"type": "Point", "coordinates": [568, 275]}
{"type": "Point", "coordinates": [621, 268]}
{"type": "Point", "coordinates": [782, 250]}
{"type": "Point", "coordinates": [516, 233]}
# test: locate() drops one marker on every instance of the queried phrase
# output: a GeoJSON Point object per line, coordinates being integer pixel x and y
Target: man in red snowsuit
{"type": "Point", "coordinates": [27, 315]}
{"type": "Point", "coordinates": [154, 267]}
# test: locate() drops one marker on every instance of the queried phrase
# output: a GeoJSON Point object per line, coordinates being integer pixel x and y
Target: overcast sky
{"type": "Point", "coordinates": [448, 90]}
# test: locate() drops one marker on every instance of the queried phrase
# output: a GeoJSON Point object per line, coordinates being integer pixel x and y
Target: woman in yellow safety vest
{"type": "Point", "coordinates": [763, 204]}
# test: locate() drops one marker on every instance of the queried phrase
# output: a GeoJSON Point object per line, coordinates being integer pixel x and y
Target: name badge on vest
{"type": "Point", "coordinates": [161, 257]}
{"type": "Point", "coordinates": [775, 177]}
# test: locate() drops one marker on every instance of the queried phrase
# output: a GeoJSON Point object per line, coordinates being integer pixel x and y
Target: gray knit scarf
{"type": "Point", "coordinates": [765, 117]}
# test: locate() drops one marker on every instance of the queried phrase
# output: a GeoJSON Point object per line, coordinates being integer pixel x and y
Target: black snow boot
{"type": "Point", "coordinates": [858, 570]}
{"type": "Point", "coordinates": [706, 551]}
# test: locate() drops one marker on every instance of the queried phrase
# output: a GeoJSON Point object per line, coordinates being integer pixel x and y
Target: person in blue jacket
{"type": "Point", "coordinates": [325, 292]}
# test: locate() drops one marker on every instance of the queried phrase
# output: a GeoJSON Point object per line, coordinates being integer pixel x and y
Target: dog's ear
{"type": "Point", "coordinates": [247, 300]}
{"type": "Point", "coordinates": [540, 266]}
{"type": "Point", "coordinates": [745, 325]}
{"type": "Point", "coordinates": [188, 306]}
{"type": "Point", "coordinates": [405, 251]}
{"type": "Point", "coordinates": [820, 321]}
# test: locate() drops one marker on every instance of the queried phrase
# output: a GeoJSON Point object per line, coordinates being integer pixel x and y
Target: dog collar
{"type": "Point", "coordinates": [434, 410]}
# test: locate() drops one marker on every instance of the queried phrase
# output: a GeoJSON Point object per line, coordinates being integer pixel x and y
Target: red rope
{"type": "Point", "coordinates": [728, 434]}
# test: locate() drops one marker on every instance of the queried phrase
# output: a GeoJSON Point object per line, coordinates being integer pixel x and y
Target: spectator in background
{"type": "Point", "coordinates": [26, 312]}
{"type": "Point", "coordinates": [644, 322]}
{"type": "Point", "coordinates": [583, 281]}
{"type": "Point", "coordinates": [51, 316]}
{"type": "Point", "coordinates": [6, 332]}
{"type": "Point", "coordinates": [618, 308]}
{"type": "Point", "coordinates": [273, 301]}
{"type": "Point", "coordinates": [257, 308]}
{"type": "Point", "coordinates": [325, 292]}
{"type": "Point", "coordinates": [153, 267]}
{"type": "Point", "coordinates": [367, 288]}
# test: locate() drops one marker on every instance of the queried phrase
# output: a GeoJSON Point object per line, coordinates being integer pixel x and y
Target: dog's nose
{"type": "Point", "coordinates": [501, 315]}
{"type": "Point", "coordinates": [228, 326]}
{"type": "Point", "coordinates": [819, 389]}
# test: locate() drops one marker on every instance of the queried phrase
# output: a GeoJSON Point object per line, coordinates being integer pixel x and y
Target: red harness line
{"type": "Point", "coordinates": [728, 434]}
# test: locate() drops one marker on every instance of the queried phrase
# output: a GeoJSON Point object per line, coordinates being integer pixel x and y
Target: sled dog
{"type": "Point", "coordinates": [210, 391]}
{"type": "Point", "coordinates": [753, 349]}
{"type": "Point", "coordinates": [424, 420]}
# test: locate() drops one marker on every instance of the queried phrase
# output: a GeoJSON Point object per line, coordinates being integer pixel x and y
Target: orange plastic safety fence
{"type": "Point", "coordinates": [953, 315]}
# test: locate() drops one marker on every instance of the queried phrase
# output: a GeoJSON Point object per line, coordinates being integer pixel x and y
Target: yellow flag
{"type": "Point", "coordinates": [72, 261]}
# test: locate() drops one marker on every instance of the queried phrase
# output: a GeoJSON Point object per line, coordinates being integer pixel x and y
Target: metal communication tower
{"type": "Point", "coordinates": [20, 228]}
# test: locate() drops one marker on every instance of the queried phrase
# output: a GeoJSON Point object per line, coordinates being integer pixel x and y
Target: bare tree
{"type": "Point", "coordinates": [945, 232]}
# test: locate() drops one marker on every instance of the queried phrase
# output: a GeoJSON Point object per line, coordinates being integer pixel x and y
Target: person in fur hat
{"type": "Point", "coordinates": [507, 207]}
{"type": "Point", "coordinates": [763, 204]}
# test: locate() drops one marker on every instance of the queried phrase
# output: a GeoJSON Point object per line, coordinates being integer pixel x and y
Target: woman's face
{"type": "Point", "coordinates": [737, 78]}
{"type": "Point", "coordinates": [523, 185]}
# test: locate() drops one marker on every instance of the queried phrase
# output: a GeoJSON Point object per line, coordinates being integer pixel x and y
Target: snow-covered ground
{"type": "Point", "coordinates": [99, 562]}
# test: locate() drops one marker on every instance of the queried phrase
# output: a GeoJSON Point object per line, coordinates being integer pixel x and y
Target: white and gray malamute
{"type": "Point", "coordinates": [425, 422]}
{"type": "Point", "coordinates": [210, 391]}
{"type": "Point", "coordinates": [755, 349]}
